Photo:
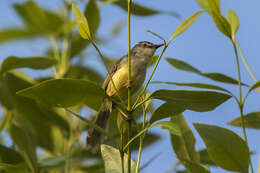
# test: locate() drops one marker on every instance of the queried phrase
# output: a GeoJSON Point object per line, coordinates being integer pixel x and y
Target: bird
{"type": "Point", "coordinates": [140, 54]}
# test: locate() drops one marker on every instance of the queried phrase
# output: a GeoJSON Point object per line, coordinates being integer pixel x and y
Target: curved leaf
{"type": "Point", "coordinates": [222, 24]}
{"type": "Point", "coordinates": [184, 145]}
{"type": "Point", "coordinates": [82, 22]}
{"type": "Point", "coordinates": [93, 16]}
{"type": "Point", "coordinates": [225, 148]}
{"type": "Point", "coordinates": [9, 155]}
{"type": "Point", "coordinates": [181, 65]}
{"type": "Point", "coordinates": [14, 34]}
{"type": "Point", "coordinates": [13, 62]}
{"type": "Point", "coordinates": [201, 101]}
{"type": "Point", "coordinates": [166, 110]}
{"type": "Point", "coordinates": [112, 159]}
{"type": "Point", "coordinates": [251, 120]}
{"type": "Point", "coordinates": [63, 92]}
{"type": "Point", "coordinates": [233, 20]}
{"type": "Point", "coordinates": [185, 25]}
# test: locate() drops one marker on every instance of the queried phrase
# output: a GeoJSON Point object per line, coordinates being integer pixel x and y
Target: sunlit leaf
{"type": "Point", "coordinates": [111, 157]}
{"type": "Point", "coordinates": [185, 25]}
{"type": "Point", "coordinates": [26, 146]}
{"type": "Point", "coordinates": [255, 86]}
{"type": "Point", "coordinates": [181, 65]}
{"type": "Point", "coordinates": [82, 22]}
{"type": "Point", "coordinates": [184, 145]}
{"type": "Point", "coordinates": [251, 120]}
{"type": "Point", "coordinates": [167, 109]}
{"type": "Point", "coordinates": [63, 92]}
{"type": "Point", "coordinates": [225, 148]}
{"type": "Point", "coordinates": [233, 20]}
{"type": "Point", "coordinates": [201, 101]}
{"type": "Point", "coordinates": [214, 6]}
{"type": "Point", "coordinates": [13, 62]}
{"type": "Point", "coordinates": [93, 16]}
{"type": "Point", "coordinates": [194, 167]}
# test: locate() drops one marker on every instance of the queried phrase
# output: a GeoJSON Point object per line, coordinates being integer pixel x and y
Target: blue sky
{"type": "Point", "coordinates": [202, 45]}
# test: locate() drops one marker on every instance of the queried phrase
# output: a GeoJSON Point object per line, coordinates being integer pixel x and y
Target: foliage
{"type": "Point", "coordinates": [44, 113]}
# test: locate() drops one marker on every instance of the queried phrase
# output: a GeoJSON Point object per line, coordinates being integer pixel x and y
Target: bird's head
{"type": "Point", "coordinates": [145, 49]}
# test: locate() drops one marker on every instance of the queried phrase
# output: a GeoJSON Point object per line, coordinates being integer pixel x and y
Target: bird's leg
{"type": "Point", "coordinates": [128, 84]}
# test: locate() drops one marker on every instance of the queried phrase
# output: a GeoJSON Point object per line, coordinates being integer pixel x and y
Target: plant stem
{"type": "Point", "coordinates": [129, 148]}
{"type": "Point", "coordinates": [129, 54]}
{"type": "Point", "coordinates": [55, 53]}
{"type": "Point", "coordinates": [141, 142]}
{"type": "Point", "coordinates": [155, 67]}
{"type": "Point", "coordinates": [108, 71]}
{"type": "Point", "coordinates": [245, 62]}
{"type": "Point", "coordinates": [122, 153]}
{"type": "Point", "coordinates": [240, 101]}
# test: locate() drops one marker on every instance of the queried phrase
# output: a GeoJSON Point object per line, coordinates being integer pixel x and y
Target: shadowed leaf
{"type": "Point", "coordinates": [63, 92]}
{"type": "Point", "coordinates": [251, 120]}
{"type": "Point", "coordinates": [225, 148]}
{"type": "Point", "coordinates": [111, 157]}
{"type": "Point", "coordinates": [181, 65]}
{"type": "Point", "coordinates": [201, 101]}
{"type": "Point", "coordinates": [13, 62]}
{"type": "Point", "coordinates": [9, 155]}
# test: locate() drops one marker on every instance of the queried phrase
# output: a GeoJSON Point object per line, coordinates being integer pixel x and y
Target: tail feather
{"type": "Point", "coordinates": [94, 136]}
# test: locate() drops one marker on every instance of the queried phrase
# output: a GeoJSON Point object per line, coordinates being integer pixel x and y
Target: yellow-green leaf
{"type": "Point", "coordinates": [185, 25]}
{"type": "Point", "coordinates": [82, 22]}
{"type": "Point", "coordinates": [233, 20]}
{"type": "Point", "coordinates": [214, 6]}
{"type": "Point", "coordinates": [222, 24]}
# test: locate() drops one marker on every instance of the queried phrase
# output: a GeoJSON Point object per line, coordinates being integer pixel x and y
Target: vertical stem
{"type": "Point", "coordinates": [129, 80]}
{"type": "Point", "coordinates": [141, 142]}
{"type": "Point", "coordinates": [129, 148]}
{"type": "Point", "coordinates": [129, 54]}
{"type": "Point", "coordinates": [240, 101]}
{"type": "Point", "coordinates": [122, 153]}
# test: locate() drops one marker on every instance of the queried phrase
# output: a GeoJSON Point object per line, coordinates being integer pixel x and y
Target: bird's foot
{"type": "Point", "coordinates": [128, 84]}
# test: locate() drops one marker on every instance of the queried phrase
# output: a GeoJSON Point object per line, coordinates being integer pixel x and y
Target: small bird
{"type": "Point", "coordinates": [141, 54]}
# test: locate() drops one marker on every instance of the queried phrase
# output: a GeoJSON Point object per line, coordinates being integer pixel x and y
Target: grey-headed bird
{"type": "Point", "coordinates": [141, 54]}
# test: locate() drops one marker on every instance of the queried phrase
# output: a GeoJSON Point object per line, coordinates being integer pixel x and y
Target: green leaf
{"type": "Point", "coordinates": [152, 61]}
{"type": "Point", "coordinates": [205, 159]}
{"type": "Point", "coordinates": [204, 5]}
{"type": "Point", "coordinates": [233, 20]}
{"type": "Point", "coordinates": [93, 16]}
{"type": "Point", "coordinates": [214, 6]}
{"type": "Point", "coordinates": [78, 44]}
{"type": "Point", "coordinates": [37, 119]}
{"type": "Point", "coordinates": [26, 146]}
{"type": "Point", "coordinates": [222, 24]}
{"type": "Point", "coordinates": [185, 25]}
{"type": "Point", "coordinates": [194, 167]}
{"type": "Point", "coordinates": [82, 22]}
{"type": "Point", "coordinates": [14, 34]}
{"type": "Point", "coordinates": [200, 101]}
{"type": "Point", "coordinates": [111, 157]}
{"type": "Point", "coordinates": [196, 85]}
{"type": "Point", "coordinates": [225, 148]}
{"type": "Point", "coordinates": [51, 162]}
{"type": "Point", "coordinates": [181, 65]}
{"type": "Point", "coordinates": [17, 168]}
{"type": "Point", "coordinates": [10, 156]}
{"type": "Point", "coordinates": [6, 98]}
{"type": "Point", "coordinates": [170, 126]}
{"type": "Point", "coordinates": [184, 145]}
{"type": "Point", "coordinates": [13, 62]}
{"type": "Point", "coordinates": [255, 86]}
{"type": "Point", "coordinates": [63, 92]}
{"type": "Point", "coordinates": [166, 110]}
{"type": "Point", "coordinates": [251, 120]}
{"type": "Point", "coordinates": [140, 10]}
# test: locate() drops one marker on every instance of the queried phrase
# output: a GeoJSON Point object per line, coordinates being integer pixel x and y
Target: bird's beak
{"type": "Point", "coordinates": [158, 45]}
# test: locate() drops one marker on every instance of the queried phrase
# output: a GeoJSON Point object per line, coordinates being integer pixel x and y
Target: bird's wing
{"type": "Point", "coordinates": [113, 71]}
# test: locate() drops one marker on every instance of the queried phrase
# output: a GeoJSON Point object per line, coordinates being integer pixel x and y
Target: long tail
{"type": "Point", "coordinates": [94, 136]}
